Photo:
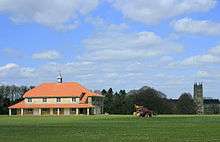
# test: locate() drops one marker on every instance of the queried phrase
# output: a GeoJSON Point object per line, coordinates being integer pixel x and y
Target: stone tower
{"type": "Point", "coordinates": [198, 97]}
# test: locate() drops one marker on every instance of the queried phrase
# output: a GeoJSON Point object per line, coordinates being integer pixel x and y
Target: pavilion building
{"type": "Point", "coordinates": [69, 98]}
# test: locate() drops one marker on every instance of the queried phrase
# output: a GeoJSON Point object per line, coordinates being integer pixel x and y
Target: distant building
{"type": "Point", "coordinates": [205, 105]}
{"type": "Point", "coordinates": [69, 98]}
{"type": "Point", "coordinates": [198, 98]}
{"type": "Point", "coordinates": [211, 106]}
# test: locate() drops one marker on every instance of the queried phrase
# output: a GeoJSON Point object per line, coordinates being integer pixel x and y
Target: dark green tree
{"type": "Point", "coordinates": [119, 102]}
{"type": "Point", "coordinates": [185, 104]}
{"type": "Point", "coordinates": [108, 101]}
{"type": "Point", "coordinates": [10, 95]}
{"type": "Point", "coordinates": [152, 99]}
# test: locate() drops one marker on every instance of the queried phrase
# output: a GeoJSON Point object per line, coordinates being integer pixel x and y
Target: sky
{"type": "Point", "coordinates": [124, 44]}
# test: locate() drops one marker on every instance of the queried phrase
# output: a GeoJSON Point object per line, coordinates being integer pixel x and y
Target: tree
{"type": "Point", "coordinates": [119, 102]}
{"type": "Point", "coordinates": [108, 100]}
{"type": "Point", "coordinates": [123, 101]}
{"type": "Point", "coordinates": [152, 99]}
{"type": "Point", "coordinates": [10, 95]}
{"type": "Point", "coordinates": [185, 104]}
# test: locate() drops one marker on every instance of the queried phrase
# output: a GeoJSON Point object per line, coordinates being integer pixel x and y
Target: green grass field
{"type": "Point", "coordinates": [165, 128]}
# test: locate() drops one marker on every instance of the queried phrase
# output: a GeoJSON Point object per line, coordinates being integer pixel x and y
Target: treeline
{"type": "Point", "coordinates": [10, 95]}
{"type": "Point", "coordinates": [123, 103]}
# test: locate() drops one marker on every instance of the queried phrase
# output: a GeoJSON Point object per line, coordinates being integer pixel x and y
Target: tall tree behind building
{"type": "Point", "coordinates": [10, 95]}
{"type": "Point", "coordinates": [119, 102]}
{"type": "Point", "coordinates": [108, 100]}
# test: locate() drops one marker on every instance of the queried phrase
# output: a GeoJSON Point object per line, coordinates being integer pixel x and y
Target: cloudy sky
{"type": "Point", "coordinates": [124, 44]}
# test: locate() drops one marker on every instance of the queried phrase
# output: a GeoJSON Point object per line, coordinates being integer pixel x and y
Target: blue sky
{"type": "Point", "coordinates": [123, 44]}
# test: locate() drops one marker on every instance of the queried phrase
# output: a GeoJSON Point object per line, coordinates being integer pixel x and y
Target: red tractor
{"type": "Point", "coordinates": [143, 112]}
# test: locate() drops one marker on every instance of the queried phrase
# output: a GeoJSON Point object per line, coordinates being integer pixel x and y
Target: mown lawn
{"type": "Point", "coordinates": [110, 128]}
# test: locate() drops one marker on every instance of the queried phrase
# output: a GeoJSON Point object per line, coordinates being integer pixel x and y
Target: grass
{"type": "Point", "coordinates": [164, 128]}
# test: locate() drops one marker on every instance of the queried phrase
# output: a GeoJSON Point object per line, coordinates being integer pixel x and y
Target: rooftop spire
{"type": "Point", "coordinates": [59, 78]}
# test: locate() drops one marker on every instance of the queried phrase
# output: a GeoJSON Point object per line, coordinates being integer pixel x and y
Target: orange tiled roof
{"type": "Point", "coordinates": [24, 105]}
{"type": "Point", "coordinates": [68, 89]}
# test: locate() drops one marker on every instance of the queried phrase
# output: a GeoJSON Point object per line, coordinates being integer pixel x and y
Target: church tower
{"type": "Point", "coordinates": [59, 78]}
{"type": "Point", "coordinates": [198, 98]}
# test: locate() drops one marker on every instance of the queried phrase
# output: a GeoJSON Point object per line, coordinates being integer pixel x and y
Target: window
{"type": "Point", "coordinates": [58, 99]}
{"type": "Point", "coordinates": [29, 100]}
{"type": "Point", "coordinates": [44, 99]}
{"type": "Point", "coordinates": [73, 99]}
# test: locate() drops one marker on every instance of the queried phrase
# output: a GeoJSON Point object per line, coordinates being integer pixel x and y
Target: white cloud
{"type": "Point", "coordinates": [14, 71]}
{"type": "Point", "coordinates": [6, 68]}
{"type": "Point", "coordinates": [188, 25]}
{"type": "Point", "coordinates": [200, 60]}
{"type": "Point", "coordinates": [215, 51]}
{"type": "Point", "coordinates": [47, 55]}
{"type": "Point", "coordinates": [28, 72]}
{"type": "Point", "coordinates": [121, 45]}
{"type": "Point", "coordinates": [208, 74]}
{"type": "Point", "coordinates": [211, 57]}
{"type": "Point", "coordinates": [150, 12]}
{"type": "Point", "coordinates": [57, 14]}
{"type": "Point", "coordinates": [202, 74]}
{"type": "Point", "coordinates": [101, 24]}
{"type": "Point", "coordinates": [96, 75]}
